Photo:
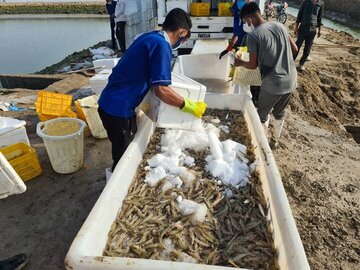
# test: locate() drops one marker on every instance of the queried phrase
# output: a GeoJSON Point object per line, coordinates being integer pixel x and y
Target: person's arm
{"type": "Point", "coordinates": [294, 48]}
{"type": "Point", "coordinates": [319, 19]}
{"type": "Point", "coordinates": [166, 94]}
{"type": "Point", "coordinates": [252, 64]}
{"type": "Point", "coordinates": [299, 17]}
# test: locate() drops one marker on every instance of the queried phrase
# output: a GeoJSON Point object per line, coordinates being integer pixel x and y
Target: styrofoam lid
{"type": "Point", "coordinates": [8, 124]}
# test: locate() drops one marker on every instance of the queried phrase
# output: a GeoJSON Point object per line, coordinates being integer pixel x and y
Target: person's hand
{"type": "Point", "coordinates": [238, 62]}
{"type": "Point", "coordinates": [319, 34]}
{"type": "Point", "coordinates": [196, 108]}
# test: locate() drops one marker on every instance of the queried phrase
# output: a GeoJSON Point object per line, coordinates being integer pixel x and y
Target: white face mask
{"type": "Point", "coordinates": [248, 28]}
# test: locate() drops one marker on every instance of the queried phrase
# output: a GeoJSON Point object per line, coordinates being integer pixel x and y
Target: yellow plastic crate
{"type": "Point", "coordinates": [224, 10]}
{"type": "Point", "coordinates": [23, 159]}
{"type": "Point", "coordinates": [79, 111]}
{"type": "Point", "coordinates": [200, 9]}
{"type": "Point", "coordinates": [51, 105]}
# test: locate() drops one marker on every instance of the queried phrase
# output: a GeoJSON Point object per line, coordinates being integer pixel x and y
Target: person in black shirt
{"type": "Point", "coordinates": [309, 18]}
{"type": "Point", "coordinates": [110, 6]}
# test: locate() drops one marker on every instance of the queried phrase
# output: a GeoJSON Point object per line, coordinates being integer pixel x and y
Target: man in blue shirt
{"type": "Point", "coordinates": [110, 6]}
{"type": "Point", "coordinates": [147, 63]}
{"type": "Point", "coordinates": [239, 32]}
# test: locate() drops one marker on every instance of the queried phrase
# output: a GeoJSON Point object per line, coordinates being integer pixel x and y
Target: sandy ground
{"type": "Point", "coordinates": [318, 159]}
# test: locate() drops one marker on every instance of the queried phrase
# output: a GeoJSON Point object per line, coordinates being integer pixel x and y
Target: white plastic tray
{"type": "Point", "coordinates": [87, 248]}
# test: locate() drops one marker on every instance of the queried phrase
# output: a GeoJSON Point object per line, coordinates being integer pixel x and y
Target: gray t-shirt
{"type": "Point", "coordinates": [275, 60]}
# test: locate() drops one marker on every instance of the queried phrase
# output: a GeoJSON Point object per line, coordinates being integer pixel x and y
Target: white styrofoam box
{"type": "Point", "coordinates": [167, 116]}
{"type": "Point", "coordinates": [106, 63]}
{"type": "Point", "coordinates": [204, 66]}
{"type": "Point", "coordinates": [10, 181]}
{"type": "Point", "coordinates": [86, 251]}
{"type": "Point", "coordinates": [105, 71]}
{"type": "Point", "coordinates": [89, 106]}
{"type": "Point", "coordinates": [12, 131]}
{"type": "Point", "coordinates": [98, 82]}
{"type": "Point", "coordinates": [210, 46]}
{"type": "Point", "coordinates": [183, 4]}
{"type": "Point", "coordinates": [132, 6]}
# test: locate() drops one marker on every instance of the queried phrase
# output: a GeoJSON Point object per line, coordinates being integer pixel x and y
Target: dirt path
{"type": "Point", "coordinates": [319, 161]}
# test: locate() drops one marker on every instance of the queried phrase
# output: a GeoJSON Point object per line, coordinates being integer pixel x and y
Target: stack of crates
{"type": "Point", "coordinates": [200, 9]}
{"type": "Point", "coordinates": [224, 10]}
{"type": "Point", "coordinates": [140, 20]}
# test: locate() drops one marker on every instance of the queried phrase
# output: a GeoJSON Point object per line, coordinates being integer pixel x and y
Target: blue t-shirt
{"type": "Point", "coordinates": [238, 24]}
{"type": "Point", "coordinates": [147, 62]}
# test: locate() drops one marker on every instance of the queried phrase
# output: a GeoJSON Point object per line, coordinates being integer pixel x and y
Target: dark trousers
{"type": "Point", "coordinates": [121, 132]}
{"type": "Point", "coordinates": [255, 92]}
{"type": "Point", "coordinates": [120, 35]}
{"type": "Point", "coordinates": [112, 27]}
{"type": "Point", "coordinates": [307, 35]}
{"type": "Point", "coordinates": [276, 103]}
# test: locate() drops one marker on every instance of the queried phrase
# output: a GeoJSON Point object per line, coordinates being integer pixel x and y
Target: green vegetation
{"type": "Point", "coordinates": [53, 8]}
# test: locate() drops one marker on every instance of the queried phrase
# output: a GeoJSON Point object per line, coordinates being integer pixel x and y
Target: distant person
{"type": "Point", "coordinates": [120, 21]}
{"type": "Point", "coordinates": [309, 18]}
{"type": "Point", "coordinates": [110, 6]}
{"type": "Point", "coordinates": [272, 50]}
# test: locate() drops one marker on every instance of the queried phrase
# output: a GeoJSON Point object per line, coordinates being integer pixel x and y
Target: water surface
{"type": "Point", "coordinates": [29, 45]}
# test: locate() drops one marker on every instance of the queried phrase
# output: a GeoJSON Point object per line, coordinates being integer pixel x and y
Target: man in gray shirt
{"type": "Point", "coordinates": [272, 50]}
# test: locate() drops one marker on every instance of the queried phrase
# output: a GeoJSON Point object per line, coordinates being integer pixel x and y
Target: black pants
{"type": "Point", "coordinates": [255, 92]}
{"type": "Point", "coordinates": [306, 34]}
{"type": "Point", "coordinates": [121, 132]}
{"type": "Point", "coordinates": [120, 35]}
{"type": "Point", "coordinates": [112, 27]}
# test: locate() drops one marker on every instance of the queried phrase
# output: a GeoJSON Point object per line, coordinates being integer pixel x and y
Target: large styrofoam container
{"type": "Point", "coordinates": [183, 4]}
{"type": "Point", "coordinates": [98, 82]}
{"type": "Point", "coordinates": [102, 64]}
{"type": "Point", "coordinates": [167, 116]}
{"type": "Point", "coordinates": [12, 131]}
{"type": "Point", "coordinates": [86, 251]}
{"type": "Point", "coordinates": [132, 6]}
{"type": "Point", "coordinates": [208, 69]}
{"type": "Point", "coordinates": [10, 181]}
{"type": "Point", "coordinates": [89, 106]}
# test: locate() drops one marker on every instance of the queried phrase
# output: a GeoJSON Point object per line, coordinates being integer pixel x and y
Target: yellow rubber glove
{"type": "Point", "coordinates": [197, 108]}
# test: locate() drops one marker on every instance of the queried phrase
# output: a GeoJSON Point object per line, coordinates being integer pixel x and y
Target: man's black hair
{"type": "Point", "coordinates": [249, 9]}
{"type": "Point", "coordinates": [176, 19]}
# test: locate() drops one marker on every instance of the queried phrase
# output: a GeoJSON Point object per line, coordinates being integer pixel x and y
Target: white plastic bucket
{"type": "Point", "coordinates": [64, 142]}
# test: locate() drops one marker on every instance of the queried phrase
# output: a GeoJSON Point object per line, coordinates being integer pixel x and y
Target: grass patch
{"type": "Point", "coordinates": [52, 8]}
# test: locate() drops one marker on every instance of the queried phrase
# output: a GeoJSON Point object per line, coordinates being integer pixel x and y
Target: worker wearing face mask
{"type": "Point", "coordinates": [239, 30]}
{"type": "Point", "coordinates": [272, 50]}
{"type": "Point", "coordinates": [146, 63]}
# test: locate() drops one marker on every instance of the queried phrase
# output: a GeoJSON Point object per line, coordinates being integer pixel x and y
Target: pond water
{"type": "Point", "coordinates": [29, 45]}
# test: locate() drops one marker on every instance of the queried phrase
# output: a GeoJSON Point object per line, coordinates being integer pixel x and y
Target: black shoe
{"type": "Point", "coordinates": [16, 262]}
